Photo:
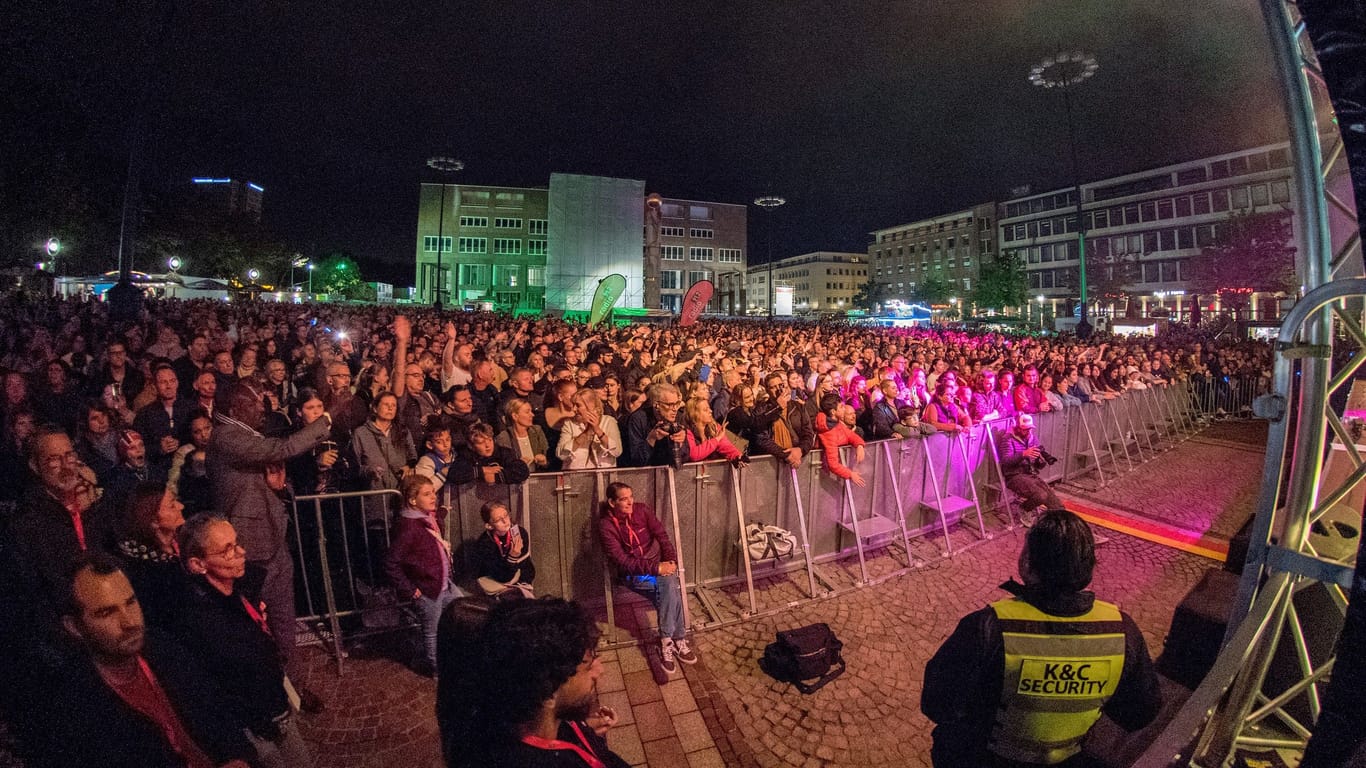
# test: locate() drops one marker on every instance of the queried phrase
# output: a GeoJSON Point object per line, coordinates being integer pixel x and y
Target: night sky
{"type": "Point", "coordinates": [863, 115]}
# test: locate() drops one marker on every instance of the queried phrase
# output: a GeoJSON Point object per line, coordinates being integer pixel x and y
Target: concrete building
{"type": "Point", "coordinates": [214, 198]}
{"type": "Point", "coordinates": [1158, 219]}
{"type": "Point", "coordinates": [812, 283]}
{"type": "Point", "coordinates": [534, 248]}
{"type": "Point", "coordinates": [494, 239]}
{"type": "Point", "coordinates": [689, 241]}
{"type": "Point", "coordinates": [949, 248]}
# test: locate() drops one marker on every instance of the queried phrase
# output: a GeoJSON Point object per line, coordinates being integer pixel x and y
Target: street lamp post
{"type": "Point", "coordinates": [310, 281]}
{"type": "Point", "coordinates": [443, 165]}
{"type": "Point", "coordinates": [1064, 71]}
{"type": "Point", "coordinates": [770, 203]}
{"type": "Point", "coordinates": [1040, 298]}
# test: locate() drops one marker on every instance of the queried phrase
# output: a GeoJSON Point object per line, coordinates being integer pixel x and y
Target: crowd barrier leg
{"type": "Point", "coordinates": [744, 548]}
{"type": "Point", "coordinates": [1112, 410]}
{"type": "Point", "coordinates": [938, 506]}
{"type": "Point", "coordinates": [1137, 429]}
{"type": "Point", "coordinates": [847, 502]}
{"type": "Point", "coordinates": [329, 594]}
{"type": "Point", "coordinates": [701, 479]}
{"type": "Point", "coordinates": [962, 440]}
{"type": "Point", "coordinates": [896, 496]}
{"type": "Point", "coordinates": [678, 546]}
{"type": "Point", "coordinates": [801, 520]}
{"type": "Point", "coordinates": [1077, 450]}
{"type": "Point", "coordinates": [1153, 425]}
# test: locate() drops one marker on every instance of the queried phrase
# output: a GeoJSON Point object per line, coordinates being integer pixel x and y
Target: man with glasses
{"type": "Point", "coordinates": [119, 372]}
{"type": "Point", "coordinates": [60, 516]}
{"type": "Point", "coordinates": [656, 436]}
{"type": "Point", "coordinates": [347, 410]}
{"type": "Point", "coordinates": [780, 427]}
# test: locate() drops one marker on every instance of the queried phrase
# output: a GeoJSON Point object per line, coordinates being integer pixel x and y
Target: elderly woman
{"type": "Point", "coordinates": [591, 439]}
{"type": "Point", "coordinates": [523, 436]}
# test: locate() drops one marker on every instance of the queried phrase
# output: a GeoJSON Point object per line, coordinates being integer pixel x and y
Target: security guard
{"type": "Point", "coordinates": [1021, 682]}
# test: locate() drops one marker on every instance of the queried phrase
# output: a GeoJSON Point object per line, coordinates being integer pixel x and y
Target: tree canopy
{"type": "Point", "coordinates": [1251, 253]}
{"type": "Point", "coordinates": [1002, 283]}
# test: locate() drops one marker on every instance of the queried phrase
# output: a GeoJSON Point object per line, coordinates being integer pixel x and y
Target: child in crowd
{"type": "Point", "coordinates": [502, 555]}
{"type": "Point", "coordinates": [833, 432]}
{"type": "Point", "coordinates": [419, 560]}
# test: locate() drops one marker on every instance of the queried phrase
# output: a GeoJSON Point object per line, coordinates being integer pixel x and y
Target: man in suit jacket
{"type": "Point", "coordinates": [247, 471]}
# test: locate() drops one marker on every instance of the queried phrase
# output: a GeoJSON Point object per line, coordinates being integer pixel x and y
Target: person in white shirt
{"type": "Point", "coordinates": [590, 439]}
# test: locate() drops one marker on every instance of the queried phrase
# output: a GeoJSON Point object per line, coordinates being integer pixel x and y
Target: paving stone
{"type": "Point", "coordinates": [706, 758]}
{"type": "Point", "coordinates": [612, 678]}
{"type": "Point", "coordinates": [625, 741]}
{"type": "Point", "coordinates": [678, 697]}
{"type": "Point", "coordinates": [619, 701]}
{"type": "Point", "coordinates": [692, 731]}
{"type": "Point", "coordinates": [653, 721]}
{"type": "Point", "coordinates": [641, 687]}
{"type": "Point", "coordinates": [665, 753]}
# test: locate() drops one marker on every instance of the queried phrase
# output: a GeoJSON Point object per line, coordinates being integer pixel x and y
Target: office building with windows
{"type": "Point", "coordinates": [493, 239]}
{"type": "Point", "coordinates": [949, 249]}
{"type": "Point", "coordinates": [695, 241]}
{"type": "Point", "coordinates": [215, 199]}
{"type": "Point", "coordinates": [823, 282]}
{"type": "Point", "coordinates": [1151, 223]}
{"type": "Point", "coordinates": [533, 248]}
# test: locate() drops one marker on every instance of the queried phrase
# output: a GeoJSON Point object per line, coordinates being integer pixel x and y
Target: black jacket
{"type": "Point", "coordinates": [77, 720]}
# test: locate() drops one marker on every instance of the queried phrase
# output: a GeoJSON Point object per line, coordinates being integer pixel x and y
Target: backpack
{"type": "Point", "coordinates": [806, 653]}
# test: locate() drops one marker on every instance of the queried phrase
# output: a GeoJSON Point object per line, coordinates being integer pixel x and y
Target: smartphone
{"type": "Point", "coordinates": [705, 373]}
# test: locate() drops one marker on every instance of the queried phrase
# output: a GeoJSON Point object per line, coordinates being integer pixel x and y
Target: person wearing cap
{"type": "Point", "coordinates": [1021, 457]}
{"type": "Point", "coordinates": [1022, 681]}
{"type": "Point", "coordinates": [133, 467]}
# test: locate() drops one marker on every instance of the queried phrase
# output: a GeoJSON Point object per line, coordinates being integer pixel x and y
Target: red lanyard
{"type": "Point", "coordinates": [498, 542]}
{"type": "Point", "coordinates": [585, 752]}
{"type": "Point", "coordinates": [168, 729]}
{"type": "Point", "coordinates": [255, 614]}
{"type": "Point", "coordinates": [632, 538]}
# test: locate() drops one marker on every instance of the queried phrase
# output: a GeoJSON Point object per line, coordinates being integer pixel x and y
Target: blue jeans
{"type": "Point", "coordinates": [667, 595]}
{"type": "Point", "coordinates": [429, 613]}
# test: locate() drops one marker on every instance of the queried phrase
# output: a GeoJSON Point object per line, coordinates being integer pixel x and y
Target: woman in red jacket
{"type": "Point", "coordinates": [419, 561]}
{"type": "Point", "coordinates": [832, 433]}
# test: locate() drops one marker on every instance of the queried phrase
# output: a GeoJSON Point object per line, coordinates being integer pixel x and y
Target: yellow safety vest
{"type": "Point", "coordinates": [1059, 672]}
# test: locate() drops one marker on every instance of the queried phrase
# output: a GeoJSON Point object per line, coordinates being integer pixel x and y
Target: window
{"type": "Point", "coordinates": [1150, 242]}
{"type": "Point", "coordinates": [478, 198]}
{"type": "Point", "coordinates": [505, 275]}
{"type": "Point", "coordinates": [1148, 211]}
{"type": "Point", "coordinates": [1166, 240]}
{"type": "Point", "coordinates": [474, 221]}
{"type": "Point", "coordinates": [699, 212]}
{"type": "Point", "coordinates": [728, 255]}
{"type": "Point", "coordinates": [701, 234]}
{"type": "Point", "coordinates": [1220, 200]}
{"type": "Point", "coordinates": [699, 254]}
{"type": "Point", "coordinates": [538, 226]}
{"type": "Point", "coordinates": [536, 248]}
{"type": "Point", "coordinates": [1131, 214]}
{"type": "Point", "coordinates": [1185, 237]}
{"type": "Point", "coordinates": [668, 279]}
{"type": "Point", "coordinates": [509, 199]}
{"type": "Point", "coordinates": [1218, 169]}
{"type": "Point", "coordinates": [1183, 205]}
{"type": "Point", "coordinates": [1279, 158]}
{"type": "Point", "coordinates": [671, 231]}
{"type": "Point", "coordinates": [507, 246]}
{"type": "Point", "coordinates": [1240, 198]}
{"type": "Point", "coordinates": [535, 276]}
{"type": "Point", "coordinates": [698, 276]}
{"type": "Point", "coordinates": [1201, 202]}
{"type": "Point", "coordinates": [671, 210]}
{"type": "Point", "coordinates": [1101, 219]}
{"type": "Point", "coordinates": [429, 244]}
{"type": "Point", "coordinates": [507, 223]}
{"type": "Point", "coordinates": [474, 245]}
{"type": "Point", "coordinates": [671, 252]}
{"type": "Point", "coordinates": [1165, 209]}
{"type": "Point", "coordinates": [1191, 176]}
{"type": "Point", "coordinates": [1237, 166]}
{"type": "Point", "coordinates": [474, 274]}
{"type": "Point", "coordinates": [1260, 196]}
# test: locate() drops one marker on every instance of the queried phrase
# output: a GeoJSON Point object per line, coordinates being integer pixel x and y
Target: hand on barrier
{"type": "Point", "coordinates": [857, 479]}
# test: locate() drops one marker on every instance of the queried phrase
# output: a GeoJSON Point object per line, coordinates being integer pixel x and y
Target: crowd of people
{"type": "Point", "coordinates": [147, 469]}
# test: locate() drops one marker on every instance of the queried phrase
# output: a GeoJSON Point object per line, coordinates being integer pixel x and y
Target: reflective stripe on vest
{"type": "Point", "coordinates": [1059, 672]}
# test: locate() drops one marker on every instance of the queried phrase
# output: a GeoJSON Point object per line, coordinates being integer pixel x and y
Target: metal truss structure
{"type": "Point", "coordinates": [1269, 687]}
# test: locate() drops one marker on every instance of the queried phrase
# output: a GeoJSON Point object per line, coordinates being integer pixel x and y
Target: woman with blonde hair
{"type": "Point", "coordinates": [590, 438]}
{"type": "Point", "coordinates": [706, 438]}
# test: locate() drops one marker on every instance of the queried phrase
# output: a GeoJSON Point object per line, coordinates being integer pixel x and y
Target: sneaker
{"type": "Point", "coordinates": [683, 650]}
{"type": "Point", "coordinates": [666, 656]}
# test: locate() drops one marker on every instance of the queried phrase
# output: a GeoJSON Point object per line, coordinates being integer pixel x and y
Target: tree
{"type": "Point", "coordinates": [1251, 253]}
{"type": "Point", "coordinates": [933, 290]}
{"type": "Point", "coordinates": [1002, 283]}
{"type": "Point", "coordinates": [337, 272]}
{"type": "Point", "coordinates": [870, 296]}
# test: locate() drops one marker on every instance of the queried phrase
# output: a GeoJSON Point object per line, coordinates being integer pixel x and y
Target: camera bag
{"type": "Point", "coordinates": [806, 653]}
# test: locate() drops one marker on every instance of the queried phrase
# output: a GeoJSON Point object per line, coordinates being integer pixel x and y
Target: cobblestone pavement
{"type": "Point", "coordinates": [1207, 484]}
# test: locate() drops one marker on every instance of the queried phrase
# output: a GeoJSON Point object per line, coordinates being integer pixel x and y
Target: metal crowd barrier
{"type": "Point", "coordinates": [1227, 397]}
{"type": "Point", "coordinates": [916, 488]}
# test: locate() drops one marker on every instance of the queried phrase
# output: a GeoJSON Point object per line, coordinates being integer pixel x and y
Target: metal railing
{"type": "Point", "coordinates": [917, 488]}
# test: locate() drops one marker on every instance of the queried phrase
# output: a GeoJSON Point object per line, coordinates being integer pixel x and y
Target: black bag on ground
{"type": "Point", "coordinates": [806, 653]}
